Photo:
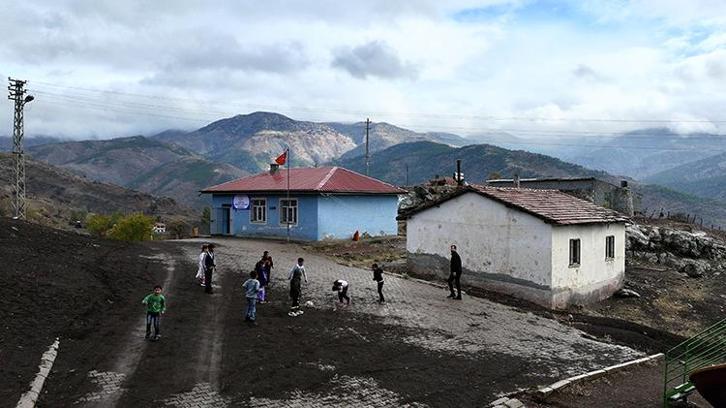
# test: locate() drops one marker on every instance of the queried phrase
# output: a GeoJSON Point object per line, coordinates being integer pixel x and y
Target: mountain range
{"type": "Point", "coordinates": [139, 163]}
{"type": "Point", "coordinates": [704, 178]}
{"type": "Point", "coordinates": [178, 163]}
{"type": "Point", "coordinates": [418, 162]}
{"type": "Point", "coordinates": [56, 195]}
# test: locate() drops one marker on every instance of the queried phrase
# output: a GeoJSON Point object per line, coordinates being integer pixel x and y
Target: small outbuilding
{"type": "Point", "coordinates": [544, 246]}
{"type": "Point", "coordinates": [322, 203]}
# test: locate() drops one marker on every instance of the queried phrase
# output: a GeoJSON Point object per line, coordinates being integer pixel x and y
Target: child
{"type": "Point", "coordinates": [155, 306]}
{"type": "Point", "coordinates": [209, 267]}
{"type": "Point", "coordinates": [200, 269]}
{"type": "Point", "coordinates": [296, 274]}
{"type": "Point", "coordinates": [378, 277]}
{"type": "Point", "coordinates": [262, 268]}
{"type": "Point", "coordinates": [342, 287]}
{"type": "Point", "coordinates": [251, 286]}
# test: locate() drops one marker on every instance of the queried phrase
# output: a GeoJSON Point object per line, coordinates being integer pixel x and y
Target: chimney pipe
{"type": "Point", "coordinates": [516, 181]}
{"type": "Point", "coordinates": [458, 172]}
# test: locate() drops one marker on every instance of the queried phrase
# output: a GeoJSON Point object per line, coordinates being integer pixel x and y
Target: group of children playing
{"type": "Point", "coordinates": [255, 288]}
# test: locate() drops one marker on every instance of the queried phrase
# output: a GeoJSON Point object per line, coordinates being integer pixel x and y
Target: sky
{"type": "Point", "coordinates": [539, 69]}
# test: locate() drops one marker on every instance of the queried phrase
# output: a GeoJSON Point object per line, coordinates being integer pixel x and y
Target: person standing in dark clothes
{"type": "Point", "coordinates": [378, 277]}
{"type": "Point", "coordinates": [455, 274]}
{"type": "Point", "coordinates": [296, 275]}
{"type": "Point", "coordinates": [209, 266]}
{"type": "Point", "coordinates": [266, 257]}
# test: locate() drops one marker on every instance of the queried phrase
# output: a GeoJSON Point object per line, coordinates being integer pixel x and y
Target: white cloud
{"type": "Point", "coordinates": [411, 63]}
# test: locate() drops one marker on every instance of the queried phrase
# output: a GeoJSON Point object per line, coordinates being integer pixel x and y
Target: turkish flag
{"type": "Point", "coordinates": [281, 159]}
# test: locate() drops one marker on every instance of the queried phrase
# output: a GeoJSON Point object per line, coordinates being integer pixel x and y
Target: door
{"type": "Point", "coordinates": [226, 219]}
{"type": "Point", "coordinates": [223, 220]}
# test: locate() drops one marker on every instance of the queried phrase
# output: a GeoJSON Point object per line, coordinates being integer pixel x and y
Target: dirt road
{"type": "Point", "coordinates": [418, 349]}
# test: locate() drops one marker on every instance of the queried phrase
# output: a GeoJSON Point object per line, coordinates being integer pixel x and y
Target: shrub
{"type": "Point", "coordinates": [100, 225]}
{"type": "Point", "coordinates": [135, 227]}
{"type": "Point", "coordinates": [178, 229]}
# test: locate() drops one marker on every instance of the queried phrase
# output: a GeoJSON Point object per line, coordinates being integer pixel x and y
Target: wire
{"type": "Point", "coordinates": [136, 108]}
{"type": "Point", "coordinates": [417, 114]}
{"type": "Point", "coordinates": [211, 115]}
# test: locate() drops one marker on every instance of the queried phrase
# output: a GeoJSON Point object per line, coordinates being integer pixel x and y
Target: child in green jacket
{"type": "Point", "coordinates": [155, 306]}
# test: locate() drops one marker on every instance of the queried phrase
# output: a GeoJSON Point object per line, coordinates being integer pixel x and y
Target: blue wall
{"type": "Point", "coordinates": [340, 216]}
{"type": "Point", "coordinates": [319, 217]}
{"type": "Point", "coordinates": [306, 228]}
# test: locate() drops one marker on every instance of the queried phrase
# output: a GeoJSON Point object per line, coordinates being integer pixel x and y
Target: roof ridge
{"type": "Point", "coordinates": [368, 177]}
{"type": "Point", "coordinates": [327, 177]}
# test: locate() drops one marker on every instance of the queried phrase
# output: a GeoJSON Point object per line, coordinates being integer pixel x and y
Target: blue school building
{"type": "Point", "coordinates": [323, 203]}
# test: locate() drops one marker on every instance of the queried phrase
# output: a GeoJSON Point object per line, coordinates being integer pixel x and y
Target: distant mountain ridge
{"type": "Point", "coordinates": [140, 163]}
{"type": "Point", "coordinates": [416, 163]}
{"type": "Point", "coordinates": [704, 178]}
{"type": "Point", "coordinates": [54, 194]}
{"type": "Point", "coordinates": [425, 160]}
{"type": "Point", "coordinates": [178, 163]}
{"type": "Point", "coordinates": [6, 142]}
{"type": "Point", "coordinates": [250, 141]}
{"type": "Point", "coordinates": [383, 135]}
{"type": "Point", "coordinates": [643, 153]}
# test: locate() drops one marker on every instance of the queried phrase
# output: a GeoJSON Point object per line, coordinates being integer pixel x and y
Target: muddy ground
{"type": "Point", "coordinates": [638, 386]}
{"type": "Point", "coordinates": [638, 323]}
{"type": "Point", "coordinates": [61, 284]}
{"type": "Point", "coordinates": [88, 293]}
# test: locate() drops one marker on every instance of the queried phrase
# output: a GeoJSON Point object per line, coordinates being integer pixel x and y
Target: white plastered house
{"type": "Point", "coordinates": [544, 246]}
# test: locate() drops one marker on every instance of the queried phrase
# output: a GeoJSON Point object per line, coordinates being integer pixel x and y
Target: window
{"type": "Point", "coordinates": [288, 211]}
{"type": "Point", "coordinates": [610, 247]}
{"type": "Point", "coordinates": [259, 211]}
{"type": "Point", "coordinates": [574, 252]}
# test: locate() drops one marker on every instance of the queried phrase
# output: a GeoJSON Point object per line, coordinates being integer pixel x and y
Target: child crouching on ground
{"type": "Point", "coordinates": [342, 287]}
{"type": "Point", "coordinates": [155, 306]}
{"type": "Point", "coordinates": [251, 287]}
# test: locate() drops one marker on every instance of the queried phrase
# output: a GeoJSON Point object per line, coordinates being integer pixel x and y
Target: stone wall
{"type": "Point", "coordinates": [692, 253]}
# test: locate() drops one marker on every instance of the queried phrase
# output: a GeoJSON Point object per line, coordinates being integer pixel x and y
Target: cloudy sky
{"type": "Point", "coordinates": [534, 68]}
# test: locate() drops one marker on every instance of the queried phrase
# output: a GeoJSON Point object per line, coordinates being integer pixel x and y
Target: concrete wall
{"type": "Point", "coordinates": [512, 252]}
{"type": "Point", "coordinates": [501, 248]}
{"type": "Point", "coordinates": [340, 216]}
{"type": "Point", "coordinates": [306, 228]}
{"type": "Point", "coordinates": [595, 278]}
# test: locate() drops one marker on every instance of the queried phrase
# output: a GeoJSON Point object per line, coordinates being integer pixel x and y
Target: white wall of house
{"type": "Point", "coordinates": [494, 241]}
{"type": "Point", "coordinates": [510, 251]}
{"type": "Point", "coordinates": [595, 272]}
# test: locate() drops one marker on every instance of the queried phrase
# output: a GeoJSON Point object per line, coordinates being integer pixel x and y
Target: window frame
{"type": "Point", "coordinates": [297, 211]}
{"type": "Point", "coordinates": [577, 252]}
{"type": "Point", "coordinates": [253, 210]}
{"type": "Point", "coordinates": [609, 250]}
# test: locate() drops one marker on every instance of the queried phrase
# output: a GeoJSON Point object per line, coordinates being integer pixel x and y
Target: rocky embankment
{"type": "Point", "coordinates": [692, 253]}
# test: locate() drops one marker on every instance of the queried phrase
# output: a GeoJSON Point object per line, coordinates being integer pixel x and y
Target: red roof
{"type": "Point", "coordinates": [313, 180]}
{"type": "Point", "coordinates": [552, 206]}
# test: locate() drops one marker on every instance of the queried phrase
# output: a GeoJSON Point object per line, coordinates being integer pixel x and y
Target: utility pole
{"type": "Point", "coordinates": [17, 94]}
{"type": "Point", "coordinates": [368, 163]}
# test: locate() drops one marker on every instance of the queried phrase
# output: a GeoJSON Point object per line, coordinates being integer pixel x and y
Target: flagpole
{"type": "Point", "coordinates": [288, 194]}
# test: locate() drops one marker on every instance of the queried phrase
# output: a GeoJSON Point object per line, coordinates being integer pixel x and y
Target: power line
{"type": "Point", "coordinates": [135, 108]}
{"type": "Point", "coordinates": [416, 114]}
{"type": "Point", "coordinates": [142, 109]}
